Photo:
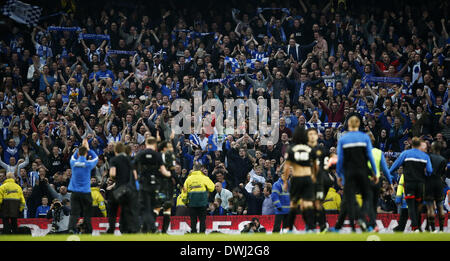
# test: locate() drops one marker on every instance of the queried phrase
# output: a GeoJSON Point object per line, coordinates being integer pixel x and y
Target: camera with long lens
{"type": "Point", "coordinates": [57, 207]}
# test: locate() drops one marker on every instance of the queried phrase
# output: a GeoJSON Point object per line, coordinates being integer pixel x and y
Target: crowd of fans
{"type": "Point", "coordinates": [323, 60]}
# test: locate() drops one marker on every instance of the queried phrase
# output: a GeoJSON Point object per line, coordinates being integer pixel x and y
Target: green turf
{"type": "Point", "coordinates": [246, 237]}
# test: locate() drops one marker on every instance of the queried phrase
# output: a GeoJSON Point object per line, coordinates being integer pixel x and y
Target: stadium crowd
{"type": "Point", "coordinates": [109, 71]}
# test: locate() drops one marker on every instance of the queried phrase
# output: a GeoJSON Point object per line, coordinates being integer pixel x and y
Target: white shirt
{"type": "Point", "coordinates": [12, 169]}
{"type": "Point", "coordinates": [31, 70]}
{"type": "Point", "coordinates": [224, 195]}
{"type": "Point", "coordinates": [203, 143]}
{"type": "Point", "coordinates": [254, 177]}
{"type": "Point", "coordinates": [141, 74]}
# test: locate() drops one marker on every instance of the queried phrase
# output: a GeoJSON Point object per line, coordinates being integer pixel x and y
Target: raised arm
{"type": "Point", "coordinates": [3, 164]}
{"type": "Point", "coordinates": [262, 18]}
{"type": "Point", "coordinates": [85, 47]}
{"type": "Point", "coordinates": [305, 9]}
{"type": "Point", "coordinates": [155, 36]}
{"type": "Point", "coordinates": [33, 37]}
{"type": "Point", "coordinates": [133, 63]}
{"type": "Point", "coordinates": [27, 96]}
{"type": "Point", "coordinates": [444, 30]}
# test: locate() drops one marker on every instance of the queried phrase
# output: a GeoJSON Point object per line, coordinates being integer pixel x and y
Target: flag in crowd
{"type": "Point", "coordinates": [250, 63]}
{"type": "Point", "coordinates": [22, 13]}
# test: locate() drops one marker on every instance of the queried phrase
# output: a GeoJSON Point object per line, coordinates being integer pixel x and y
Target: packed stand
{"type": "Point", "coordinates": [116, 78]}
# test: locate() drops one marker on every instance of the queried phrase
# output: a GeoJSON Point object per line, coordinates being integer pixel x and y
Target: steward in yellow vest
{"type": "Point", "coordinates": [12, 202]}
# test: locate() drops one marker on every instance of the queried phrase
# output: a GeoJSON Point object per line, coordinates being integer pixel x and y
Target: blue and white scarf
{"type": "Point", "coordinates": [323, 125]}
{"type": "Point", "coordinates": [61, 29]}
{"type": "Point", "coordinates": [94, 37]}
{"type": "Point", "coordinates": [284, 10]}
{"type": "Point", "coordinates": [393, 80]}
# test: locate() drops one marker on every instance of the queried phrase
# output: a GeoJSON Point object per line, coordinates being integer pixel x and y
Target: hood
{"type": "Point", "coordinates": [9, 181]}
{"type": "Point", "coordinates": [196, 173]}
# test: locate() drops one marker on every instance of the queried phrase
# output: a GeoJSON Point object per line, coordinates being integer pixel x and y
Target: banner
{"type": "Point", "coordinates": [392, 154]}
{"type": "Point", "coordinates": [62, 28]}
{"type": "Point", "coordinates": [130, 53]}
{"type": "Point", "coordinates": [392, 80]}
{"type": "Point", "coordinates": [260, 10]}
{"type": "Point", "coordinates": [250, 63]}
{"type": "Point", "coordinates": [223, 224]}
{"type": "Point", "coordinates": [321, 126]}
{"type": "Point", "coordinates": [94, 36]}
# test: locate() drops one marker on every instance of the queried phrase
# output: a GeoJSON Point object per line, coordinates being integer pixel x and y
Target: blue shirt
{"type": "Point", "coordinates": [105, 74]}
{"type": "Point", "coordinates": [42, 84]}
{"type": "Point", "coordinates": [42, 211]}
{"type": "Point", "coordinates": [43, 52]}
{"type": "Point", "coordinates": [413, 158]}
{"type": "Point", "coordinates": [97, 76]}
{"type": "Point", "coordinates": [291, 122]}
{"type": "Point", "coordinates": [81, 172]}
{"type": "Point", "coordinates": [101, 145]}
{"type": "Point", "coordinates": [165, 90]}
{"type": "Point", "coordinates": [280, 199]}
{"type": "Point", "coordinates": [353, 142]}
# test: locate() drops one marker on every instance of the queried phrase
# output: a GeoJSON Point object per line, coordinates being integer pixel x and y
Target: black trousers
{"type": "Point", "coordinates": [129, 213]}
{"type": "Point", "coordinates": [277, 223]}
{"type": "Point", "coordinates": [9, 225]}
{"type": "Point", "coordinates": [343, 214]}
{"type": "Point", "coordinates": [200, 214]}
{"type": "Point", "coordinates": [402, 220]}
{"type": "Point", "coordinates": [372, 210]}
{"type": "Point", "coordinates": [147, 200]}
{"type": "Point", "coordinates": [128, 222]}
{"type": "Point", "coordinates": [358, 182]}
{"type": "Point", "coordinates": [414, 194]}
{"type": "Point", "coordinates": [80, 203]}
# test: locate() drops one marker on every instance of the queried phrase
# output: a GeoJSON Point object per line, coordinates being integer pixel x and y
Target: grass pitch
{"type": "Point", "coordinates": [240, 237]}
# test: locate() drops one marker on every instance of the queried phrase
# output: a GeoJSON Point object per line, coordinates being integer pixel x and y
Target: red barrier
{"type": "Point", "coordinates": [224, 224]}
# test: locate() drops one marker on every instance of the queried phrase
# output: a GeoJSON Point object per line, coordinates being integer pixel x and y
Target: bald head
{"type": "Point", "coordinates": [218, 187]}
{"type": "Point", "coordinates": [436, 147]}
{"type": "Point", "coordinates": [9, 175]}
{"type": "Point", "coordinates": [197, 166]}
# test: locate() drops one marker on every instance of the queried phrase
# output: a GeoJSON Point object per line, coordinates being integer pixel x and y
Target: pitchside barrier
{"type": "Point", "coordinates": [223, 224]}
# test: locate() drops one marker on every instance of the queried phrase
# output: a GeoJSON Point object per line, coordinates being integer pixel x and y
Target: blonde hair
{"type": "Point", "coordinates": [415, 142]}
{"type": "Point", "coordinates": [354, 122]}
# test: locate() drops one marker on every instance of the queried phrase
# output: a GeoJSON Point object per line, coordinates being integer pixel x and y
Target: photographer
{"type": "Point", "coordinates": [60, 213]}
{"type": "Point", "coordinates": [253, 227]}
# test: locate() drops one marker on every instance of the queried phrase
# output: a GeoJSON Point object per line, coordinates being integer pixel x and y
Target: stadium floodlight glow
{"type": "Point", "coordinates": [241, 116]}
